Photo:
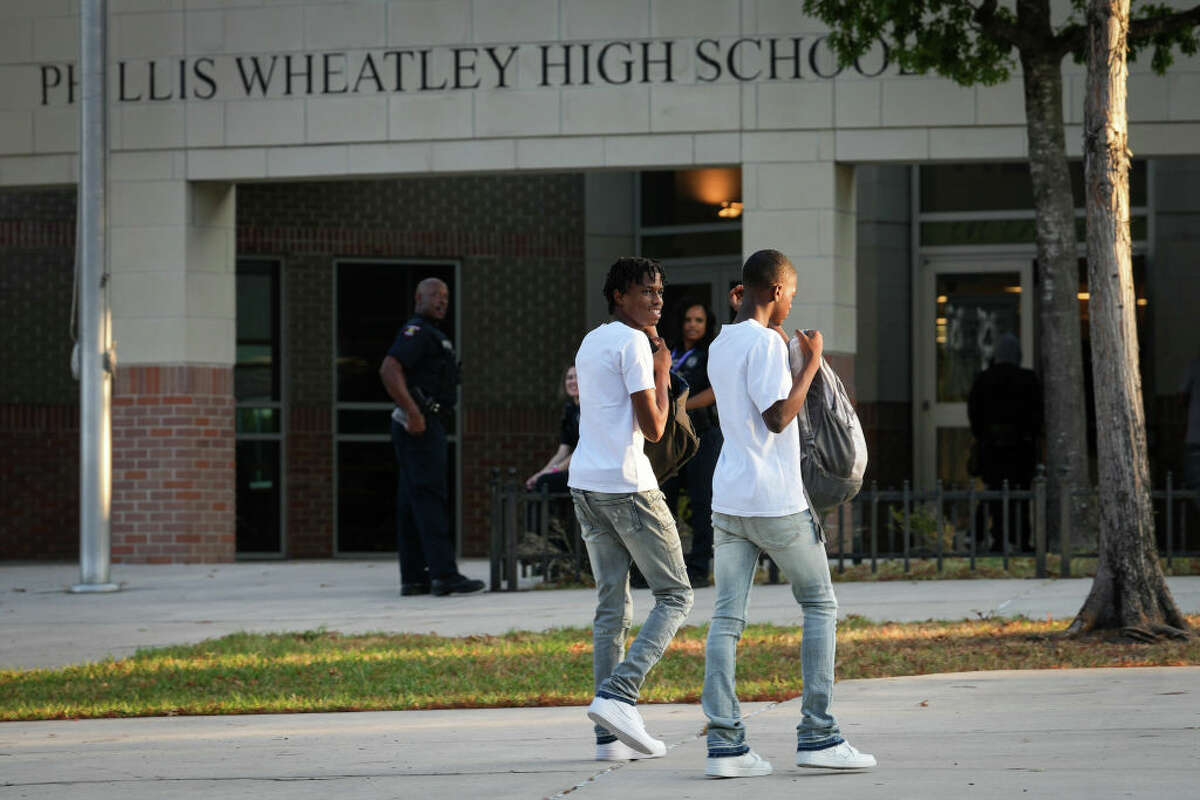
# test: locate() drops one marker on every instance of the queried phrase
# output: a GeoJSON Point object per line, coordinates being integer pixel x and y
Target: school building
{"type": "Point", "coordinates": [283, 173]}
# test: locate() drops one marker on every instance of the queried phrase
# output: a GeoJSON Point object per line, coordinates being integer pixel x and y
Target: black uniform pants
{"type": "Point", "coordinates": [1016, 465]}
{"type": "Point", "coordinates": [422, 517]}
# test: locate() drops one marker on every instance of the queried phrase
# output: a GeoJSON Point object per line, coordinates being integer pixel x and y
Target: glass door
{"type": "Point", "coordinates": [372, 301]}
{"type": "Point", "coordinates": [965, 305]}
{"type": "Point", "coordinates": [708, 283]}
{"type": "Point", "coordinates": [257, 389]}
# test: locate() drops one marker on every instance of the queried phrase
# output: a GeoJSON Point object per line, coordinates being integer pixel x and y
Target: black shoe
{"type": "Point", "coordinates": [410, 589]}
{"type": "Point", "coordinates": [458, 584]}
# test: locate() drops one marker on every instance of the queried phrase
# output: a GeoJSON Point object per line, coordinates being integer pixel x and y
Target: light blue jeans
{"type": "Point", "coordinates": [792, 543]}
{"type": "Point", "coordinates": [619, 530]}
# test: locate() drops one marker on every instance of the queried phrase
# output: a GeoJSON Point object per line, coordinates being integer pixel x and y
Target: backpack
{"type": "Point", "coordinates": [833, 451]}
{"type": "Point", "coordinates": [679, 441]}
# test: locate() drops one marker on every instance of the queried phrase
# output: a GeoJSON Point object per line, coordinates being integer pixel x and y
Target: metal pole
{"type": "Point", "coordinates": [971, 520]}
{"type": "Point", "coordinates": [1064, 532]}
{"type": "Point", "coordinates": [938, 525]}
{"type": "Point", "coordinates": [1170, 517]}
{"type": "Point", "coordinates": [1039, 522]}
{"type": "Point", "coordinates": [95, 367]}
{"type": "Point", "coordinates": [497, 545]}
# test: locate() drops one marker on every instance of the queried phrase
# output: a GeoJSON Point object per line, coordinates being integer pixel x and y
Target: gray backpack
{"type": "Point", "coordinates": [833, 451]}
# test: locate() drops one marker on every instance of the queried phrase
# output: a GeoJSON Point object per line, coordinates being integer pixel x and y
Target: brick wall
{"type": "Point", "coordinates": [519, 240]}
{"type": "Point", "coordinates": [173, 464]}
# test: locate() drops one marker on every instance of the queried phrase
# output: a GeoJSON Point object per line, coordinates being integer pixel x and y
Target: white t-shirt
{"type": "Point", "coordinates": [758, 473]}
{"type": "Point", "coordinates": [613, 362]}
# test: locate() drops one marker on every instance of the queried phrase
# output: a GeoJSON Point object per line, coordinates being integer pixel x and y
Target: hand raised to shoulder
{"type": "Point", "coordinates": [662, 355]}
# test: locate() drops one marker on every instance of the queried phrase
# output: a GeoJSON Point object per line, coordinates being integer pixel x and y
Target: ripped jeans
{"type": "Point", "coordinates": [620, 530]}
{"type": "Point", "coordinates": [792, 543]}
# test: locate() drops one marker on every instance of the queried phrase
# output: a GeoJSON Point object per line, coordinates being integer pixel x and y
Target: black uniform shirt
{"type": "Point", "coordinates": [569, 432]}
{"type": "Point", "coordinates": [427, 356]}
{"type": "Point", "coordinates": [692, 366]}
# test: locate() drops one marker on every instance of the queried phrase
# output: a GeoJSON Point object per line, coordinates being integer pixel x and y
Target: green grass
{"type": "Point", "coordinates": [325, 671]}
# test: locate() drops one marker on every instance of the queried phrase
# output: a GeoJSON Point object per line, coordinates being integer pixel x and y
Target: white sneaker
{"type": "Point", "coordinates": [624, 721]}
{"type": "Point", "coordinates": [619, 751]}
{"type": "Point", "coordinates": [748, 765]}
{"type": "Point", "coordinates": [840, 756]}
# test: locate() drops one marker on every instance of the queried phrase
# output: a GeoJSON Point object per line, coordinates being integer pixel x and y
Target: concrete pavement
{"type": "Point", "coordinates": [1061, 734]}
{"type": "Point", "coordinates": [176, 604]}
{"type": "Point", "coordinates": [1112, 733]}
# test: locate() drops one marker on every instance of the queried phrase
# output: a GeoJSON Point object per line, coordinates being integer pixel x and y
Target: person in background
{"type": "Point", "coordinates": [420, 373]}
{"type": "Point", "coordinates": [553, 475]}
{"type": "Point", "coordinates": [1005, 411]}
{"type": "Point", "coordinates": [689, 359]}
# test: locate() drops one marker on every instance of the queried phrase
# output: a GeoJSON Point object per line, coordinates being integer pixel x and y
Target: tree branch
{"type": "Point", "coordinates": [1001, 29]}
{"type": "Point", "coordinates": [1071, 39]}
{"type": "Point", "coordinates": [1153, 26]}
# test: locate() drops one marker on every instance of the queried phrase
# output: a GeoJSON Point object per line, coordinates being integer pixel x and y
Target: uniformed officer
{"type": "Point", "coordinates": [420, 372]}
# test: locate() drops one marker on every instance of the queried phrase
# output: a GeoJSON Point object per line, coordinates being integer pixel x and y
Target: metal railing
{"type": "Point", "coordinates": [906, 524]}
{"type": "Point", "coordinates": [538, 530]}
{"type": "Point", "coordinates": [532, 530]}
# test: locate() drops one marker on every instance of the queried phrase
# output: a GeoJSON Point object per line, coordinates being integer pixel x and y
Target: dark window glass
{"type": "Point", "coordinates": [367, 497]}
{"type": "Point", "coordinates": [693, 245]}
{"type": "Point", "coordinates": [1003, 187]}
{"type": "Point", "coordinates": [1004, 231]}
{"type": "Point", "coordinates": [258, 420]}
{"type": "Point", "coordinates": [256, 373]}
{"type": "Point", "coordinates": [689, 197]}
{"type": "Point", "coordinates": [258, 497]}
{"type": "Point", "coordinates": [973, 311]}
{"type": "Point", "coordinates": [374, 301]}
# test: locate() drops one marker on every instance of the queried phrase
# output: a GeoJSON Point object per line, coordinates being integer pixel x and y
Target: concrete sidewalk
{"type": "Point", "coordinates": [176, 604]}
{"type": "Point", "coordinates": [1056, 734]}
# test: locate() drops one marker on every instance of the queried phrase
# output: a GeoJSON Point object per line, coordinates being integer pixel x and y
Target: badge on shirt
{"type": "Point", "coordinates": [691, 362]}
{"type": "Point", "coordinates": [410, 330]}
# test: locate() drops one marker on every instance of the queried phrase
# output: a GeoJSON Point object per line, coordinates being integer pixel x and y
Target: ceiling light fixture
{"type": "Point", "coordinates": [730, 209]}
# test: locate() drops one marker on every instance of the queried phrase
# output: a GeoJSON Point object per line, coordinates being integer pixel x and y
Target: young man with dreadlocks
{"type": "Point", "coordinates": [623, 373]}
{"type": "Point", "coordinates": [759, 506]}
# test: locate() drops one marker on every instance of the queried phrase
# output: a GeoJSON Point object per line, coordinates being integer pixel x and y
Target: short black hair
{"type": "Point", "coordinates": [765, 268]}
{"type": "Point", "coordinates": [710, 327]}
{"type": "Point", "coordinates": [627, 271]}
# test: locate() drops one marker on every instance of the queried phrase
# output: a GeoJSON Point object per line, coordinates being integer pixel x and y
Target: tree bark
{"type": "Point", "coordinates": [1129, 591]}
{"type": "Point", "coordinates": [1058, 271]}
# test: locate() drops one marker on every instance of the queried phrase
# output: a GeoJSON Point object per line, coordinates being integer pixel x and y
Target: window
{"type": "Point", "coordinates": [256, 388]}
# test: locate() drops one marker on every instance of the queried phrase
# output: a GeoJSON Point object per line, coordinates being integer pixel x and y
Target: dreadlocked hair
{"type": "Point", "coordinates": [627, 271]}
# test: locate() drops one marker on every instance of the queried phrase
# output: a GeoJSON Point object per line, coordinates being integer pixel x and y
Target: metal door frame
{"type": "Point", "coordinates": [928, 414]}
{"type": "Point", "coordinates": [454, 440]}
{"type": "Point", "coordinates": [281, 405]}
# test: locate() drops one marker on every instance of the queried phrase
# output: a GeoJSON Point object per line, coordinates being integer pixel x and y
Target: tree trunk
{"type": "Point", "coordinates": [1129, 591]}
{"type": "Point", "coordinates": [1058, 271]}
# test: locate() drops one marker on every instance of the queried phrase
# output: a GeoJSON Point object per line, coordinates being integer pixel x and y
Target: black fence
{"type": "Point", "coordinates": [538, 531]}
{"type": "Point", "coordinates": [533, 531]}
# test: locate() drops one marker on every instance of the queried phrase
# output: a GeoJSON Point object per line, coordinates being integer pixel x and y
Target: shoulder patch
{"type": "Point", "coordinates": [411, 330]}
